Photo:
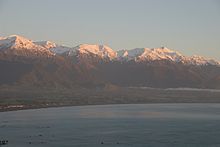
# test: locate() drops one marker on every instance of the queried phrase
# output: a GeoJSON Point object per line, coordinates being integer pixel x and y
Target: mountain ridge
{"type": "Point", "coordinates": [44, 63]}
{"type": "Point", "coordinates": [103, 51]}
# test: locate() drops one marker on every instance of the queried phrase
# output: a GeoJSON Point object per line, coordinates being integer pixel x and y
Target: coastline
{"type": "Point", "coordinates": [13, 98]}
{"type": "Point", "coordinates": [61, 106]}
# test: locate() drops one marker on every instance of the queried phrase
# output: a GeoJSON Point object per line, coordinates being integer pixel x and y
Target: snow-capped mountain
{"type": "Point", "coordinates": [17, 42]}
{"type": "Point", "coordinates": [53, 47]}
{"type": "Point", "coordinates": [46, 44]}
{"type": "Point", "coordinates": [45, 63]}
{"type": "Point", "coordinates": [199, 60]}
{"type": "Point", "coordinates": [146, 54]}
{"type": "Point", "coordinates": [163, 53]}
{"type": "Point", "coordinates": [101, 51]}
{"type": "Point", "coordinates": [21, 46]}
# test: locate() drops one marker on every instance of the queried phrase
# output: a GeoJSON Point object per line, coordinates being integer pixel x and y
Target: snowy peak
{"type": "Point", "coordinates": [199, 60]}
{"type": "Point", "coordinates": [53, 47]}
{"type": "Point", "coordinates": [21, 46]}
{"type": "Point", "coordinates": [101, 51]}
{"type": "Point", "coordinates": [130, 54]}
{"type": "Point", "coordinates": [162, 53]}
{"type": "Point", "coordinates": [17, 42]}
{"type": "Point", "coordinates": [146, 54]}
{"type": "Point", "coordinates": [46, 44]}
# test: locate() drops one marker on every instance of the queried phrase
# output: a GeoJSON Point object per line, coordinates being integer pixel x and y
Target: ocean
{"type": "Point", "coordinates": [128, 125]}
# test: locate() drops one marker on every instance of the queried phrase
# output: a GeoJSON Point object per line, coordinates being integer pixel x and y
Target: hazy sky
{"type": "Point", "coordinates": [188, 26]}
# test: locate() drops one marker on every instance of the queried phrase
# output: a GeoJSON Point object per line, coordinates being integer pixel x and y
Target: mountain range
{"type": "Point", "coordinates": [47, 64]}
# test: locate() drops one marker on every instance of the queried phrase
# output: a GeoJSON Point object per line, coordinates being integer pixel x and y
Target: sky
{"type": "Point", "coordinates": [191, 27]}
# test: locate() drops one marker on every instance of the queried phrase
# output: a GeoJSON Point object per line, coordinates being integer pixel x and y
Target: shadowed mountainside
{"type": "Point", "coordinates": [24, 62]}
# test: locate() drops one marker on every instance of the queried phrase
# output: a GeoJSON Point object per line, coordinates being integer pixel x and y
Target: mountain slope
{"type": "Point", "coordinates": [143, 54]}
{"type": "Point", "coordinates": [24, 47]}
{"type": "Point", "coordinates": [20, 46]}
{"type": "Point", "coordinates": [53, 47]}
{"type": "Point", "coordinates": [162, 74]}
{"type": "Point", "coordinates": [46, 64]}
{"type": "Point", "coordinates": [163, 53]}
{"type": "Point", "coordinates": [87, 50]}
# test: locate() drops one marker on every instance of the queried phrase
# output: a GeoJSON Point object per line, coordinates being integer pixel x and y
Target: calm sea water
{"type": "Point", "coordinates": [139, 125]}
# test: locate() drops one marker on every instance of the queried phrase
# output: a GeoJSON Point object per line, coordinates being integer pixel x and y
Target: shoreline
{"type": "Point", "coordinates": [62, 106]}
{"type": "Point", "coordinates": [14, 99]}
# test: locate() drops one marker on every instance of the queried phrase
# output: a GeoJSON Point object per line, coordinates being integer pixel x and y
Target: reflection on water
{"type": "Point", "coordinates": [114, 125]}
